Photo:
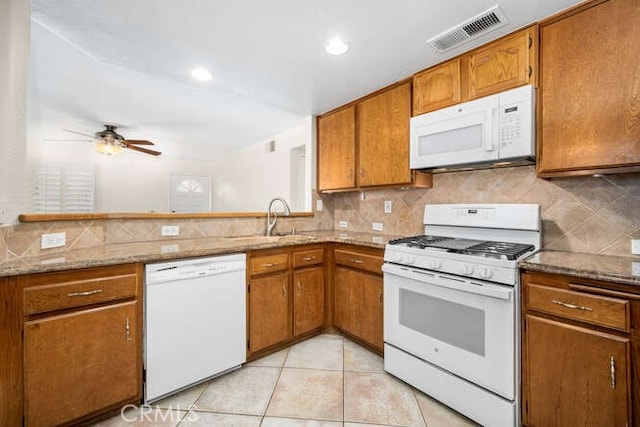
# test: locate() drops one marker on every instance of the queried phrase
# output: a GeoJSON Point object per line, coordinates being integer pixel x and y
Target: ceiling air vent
{"type": "Point", "coordinates": [483, 23]}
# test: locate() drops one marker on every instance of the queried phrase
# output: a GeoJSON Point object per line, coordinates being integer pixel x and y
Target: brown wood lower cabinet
{"type": "Point", "coordinates": [269, 318]}
{"type": "Point", "coordinates": [308, 302]}
{"type": "Point", "coordinates": [580, 352]}
{"type": "Point", "coordinates": [79, 363]}
{"type": "Point", "coordinates": [358, 294]}
{"type": "Point", "coordinates": [75, 339]}
{"type": "Point", "coordinates": [286, 296]}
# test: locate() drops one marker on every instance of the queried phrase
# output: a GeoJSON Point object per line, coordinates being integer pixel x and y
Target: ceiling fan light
{"type": "Point", "coordinates": [108, 147]}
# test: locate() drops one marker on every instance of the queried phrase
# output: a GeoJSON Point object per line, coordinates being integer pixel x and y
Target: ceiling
{"type": "Point", "coordinates": [128, 62]}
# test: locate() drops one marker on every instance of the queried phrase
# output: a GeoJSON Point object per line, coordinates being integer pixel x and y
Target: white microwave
{"type": "Point", "coordinates": [495, 130]}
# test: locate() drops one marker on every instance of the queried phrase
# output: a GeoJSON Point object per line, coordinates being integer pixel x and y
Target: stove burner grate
{"type": "Point", "coordinates": [488, 249]}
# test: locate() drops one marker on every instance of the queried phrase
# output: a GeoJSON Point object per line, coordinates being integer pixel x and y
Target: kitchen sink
{"type": "Point", "coordinates": [285, 238]}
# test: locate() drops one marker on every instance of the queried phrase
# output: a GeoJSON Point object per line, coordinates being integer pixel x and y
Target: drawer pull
{"type": "Point", "coordinates": [357, 261]}
{"type": "Point", "coordinates": [84, 294]}
{"type": "Point", "coordinates": [613, 372]}
{"type": "Point", "coordinates": [308, 258]}
{"type": "Point", "coordinates": [573, 306]}
{"type": "Point", "coordinates": [269, 264]}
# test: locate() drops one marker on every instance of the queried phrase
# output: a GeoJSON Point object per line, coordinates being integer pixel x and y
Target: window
{"type": "Point", "coordinates": [190, 193]}
{"type": "Point", "coordinates": [61, 188]}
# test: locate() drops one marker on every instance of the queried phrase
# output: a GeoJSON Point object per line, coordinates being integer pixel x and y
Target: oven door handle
{"type": "Point", "coordinates": [440, 280]}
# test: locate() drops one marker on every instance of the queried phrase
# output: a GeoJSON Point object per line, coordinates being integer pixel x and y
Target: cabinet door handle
{"type": "Point", "coordinates": [284, 290]}
{"type": "Point", "coordinates": [308, 258]}
{"type": "Point", "coordinates": [613, 373]}
{"type": "Point", "coordinates": [127, 329]}
{"type": "Point", "coordinates": [84, 294]}
{"type": "Point", "coordinates": [299, 288]}
{"type": "Point", "coordinates": [573, 306]}
{"type": "Point", "coordinates": [530, 70]}
{"type": "Point", "coordinates": [380, 297]}
{"type": "Point", "coordinates": [269, 264]}
{"type": "Point", "coordinates": [357, 261]}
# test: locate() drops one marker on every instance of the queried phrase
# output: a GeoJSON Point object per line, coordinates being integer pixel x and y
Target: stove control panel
{"type": "Point", "coordinates": [490, 269]}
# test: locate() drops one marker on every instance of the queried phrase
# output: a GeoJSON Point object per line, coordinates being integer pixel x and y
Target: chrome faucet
{"type": "Point", "coordinates": [272, 224]}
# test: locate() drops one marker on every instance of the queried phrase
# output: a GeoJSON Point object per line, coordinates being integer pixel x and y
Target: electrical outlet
{"type": "Point", "coordinates": [319, 204]}
{"type": "Point", "coordinates": [53, 240]}
{"type": "Point", "coordinates": [343, 224]}
{"type": "Point", "coordinates": [170, 230]}
{"type": "Point", "coordinates": [376, 226]}
{"type": "Point", "coordinates": [635, 247]}
{"type": "Point", "coordinates": [387, 206]}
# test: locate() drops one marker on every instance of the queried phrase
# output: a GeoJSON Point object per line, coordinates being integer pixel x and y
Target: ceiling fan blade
{"type": "Point", "coordinates": [143, 150]}
{"type": "Point", "coordinates": [66, 140]}
{"type": "Point", "coordinates": [137, 142]}
{"type": "Point", "coordinates": [79, 133]}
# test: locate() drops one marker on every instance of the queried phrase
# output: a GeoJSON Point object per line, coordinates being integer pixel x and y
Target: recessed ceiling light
{"type": "Point", "coordinates": [201, 74]}
{"type": "Point", "coordinates": [336, 46]}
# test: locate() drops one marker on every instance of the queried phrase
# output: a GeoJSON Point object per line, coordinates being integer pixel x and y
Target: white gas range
{"type": "Point", "coordinates": [452, 306]}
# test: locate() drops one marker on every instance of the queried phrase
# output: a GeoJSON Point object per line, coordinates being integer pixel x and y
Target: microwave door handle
{"type": "Point", "coordinates": [490, 125]}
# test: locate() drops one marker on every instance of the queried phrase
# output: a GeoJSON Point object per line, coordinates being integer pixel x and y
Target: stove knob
{"type": "Point", "coordinates": [467, 270]}
{"type": "Point", "coordinates": [485, 272]}
{"type": "Point", "coordinates": [410, 259]}
{"type": "Point", "coordinates": [396, 257]}
{"type": "Point", "coordinates": [437, 264]}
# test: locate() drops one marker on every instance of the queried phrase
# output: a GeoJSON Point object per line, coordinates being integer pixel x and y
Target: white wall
{"type": "Point", "coordinates": [247, 179]}
{"type": "Point", "coordinates": [127, 182]}
{"type": "Point", "coordinates": [14, 51]}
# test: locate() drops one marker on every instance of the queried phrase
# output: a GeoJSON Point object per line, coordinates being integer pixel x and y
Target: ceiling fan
{"type": "Point", "coordinates": [109, 142]}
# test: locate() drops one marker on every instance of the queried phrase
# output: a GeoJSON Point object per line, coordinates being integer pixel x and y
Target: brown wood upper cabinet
{"type": "Point", "coordinates": [506, 63]}
{"type": "Point", "coordinates": [337, 150]}
{"type": "Point", "coordinates": [437, 87]}
{"type": "Point", "coordinates": [366, 144]}
{"type": "Point", "coordinates": [579, 352]}
{"type": "Point", "coordinates": [589, 119]}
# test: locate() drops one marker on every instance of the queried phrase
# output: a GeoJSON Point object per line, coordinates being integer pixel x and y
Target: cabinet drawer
{"type": "Point", "coordinates": [268, 263]}
{"type": "Point", "coordinates": [43, 298]}
{"type": "Point", "coordinates": [312, 257]}
{"type": "Point", "coordinates": [366, 262]}
{"type": "Point", "coordinates": [595, 309]}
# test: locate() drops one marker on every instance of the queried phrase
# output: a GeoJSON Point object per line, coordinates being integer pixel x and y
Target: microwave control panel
{"type": "Point", "coordinates": [510, 124]}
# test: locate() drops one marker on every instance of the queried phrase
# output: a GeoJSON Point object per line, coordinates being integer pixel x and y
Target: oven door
{"type": "Point", "coordinates": [464, 326]}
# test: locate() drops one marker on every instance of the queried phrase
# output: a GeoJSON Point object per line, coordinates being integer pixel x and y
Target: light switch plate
{"type": "Point", "coordinates": [387, 206]}
{"type": "Point", "coordinates": [376, 226]}
{"type": "Point", "coordinates": [53, 240]}
{"type": "Point", "coordinates": [170, 230]}
{"type": "Point", "coordinates": [635, 247]}
{"type": "Point", "coordinates": [343, 224]}
{"type": "Point", "coordinates": [319, 204]}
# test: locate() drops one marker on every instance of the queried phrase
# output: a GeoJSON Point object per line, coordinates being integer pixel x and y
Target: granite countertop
{"type": "Point", "coordinates": [617, 269]}
{"type": "Point", "coordinates": [146, 252]}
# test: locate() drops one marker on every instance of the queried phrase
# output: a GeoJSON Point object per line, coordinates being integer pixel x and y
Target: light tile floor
{"type": "Point", "coordinates": [326, 381]}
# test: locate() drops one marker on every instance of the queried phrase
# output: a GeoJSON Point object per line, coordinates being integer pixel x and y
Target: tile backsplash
{"type": "Point", "coordinates": [23, 240]}
{"type": "Point", "coordinates": [580, 214]}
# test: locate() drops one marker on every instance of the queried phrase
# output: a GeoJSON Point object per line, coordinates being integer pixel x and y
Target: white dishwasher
{"type": "Point", "coordinates": [195, 321]}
